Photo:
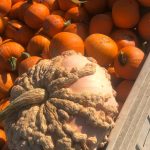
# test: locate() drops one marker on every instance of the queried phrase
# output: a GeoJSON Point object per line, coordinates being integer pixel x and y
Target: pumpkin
{"type": "Point", "coordinates": [101, 23]}
{"type": "Point", "coordinates": [124, 37]}
{"type": "Point", "coordinates": [77, 14]}
{"type": "Point", "coordinates": [9, 52]}
{"type": "Point", "coordinates": [53, 24]}
{"type": "Point", "coordinates": [123, 90]}
{"type": "Point", "coordinates": [51, 4]}
{"type": "Point", "coordinates": [6, 82]}
{"type": "Point", "coordinates": [80, 29]}
{"type": "Point", "coordinates": [58, 12]}
{"type": "Point", "coordinates": [129, 62]}
{"type": "Point", "coordinates": [16, 1]}
{"type": "Point", "coordinates": [95, 6]}
{"type": "Point", "coordinates": [27, 63]}
{"type": "Point", "coordinates": [64, 41]}
{"type": "Point", "coordinates": [143, 27]}
{"type": "Point", "coordinates": [67, 4]}
{"type": "Point", "coordinates": [121, 13]}
{"type": "Point", "coordinates": [39, 46]}
{"type": "Point", "coordinates": [5, 6]}
{"type": "Point", "coordinates": [18, 31]}
{"type": "Point", "coordinates": [102, 48]}
{"type": "Point", "coordinates": [35, 14]}
{"type": "Point", "coordinates": [64, 95]}
{"type": "Point", "coordinates": [2, 138]}
{"type": "Point", "coordinates": [145, 3]}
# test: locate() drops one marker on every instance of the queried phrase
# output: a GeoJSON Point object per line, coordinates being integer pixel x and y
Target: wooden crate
{"type": "Point", "coordinates": [132, 129]}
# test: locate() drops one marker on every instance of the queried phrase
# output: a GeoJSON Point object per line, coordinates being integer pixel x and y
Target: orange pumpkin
{"type": "Point", "coordinates": [18, 31]}
{"type": "Point", "coordinates": [77, 14]}
{"type": "Point", "coordinates": [39, 46]}
{"type": "Point", "coordinates": [28, 63]}
{"type": "Point", "coordinates": [129, 62]}
{"type": "Point", "coordinates": [95, 6]}
{"type": "Point", "coordinates": [53, 24]}
{"type": "Point", "coordinates": [101, 23]}
{"type": "Point", "coordinates": [35, 14]}
{"type": "Point", "coordinates": [125, 13]}
{"type": "Point", "coordinates": [80, 29]}
{"type": "Point", "coordinates": [64, 41]}
{"type": "Point", "coordinates": [6, 82]}
{"type": "Point", "coordinates": [2, 138]}
{"type": "Point", "coordinates": [144, 27]}
{"type": "Point", "coordinates": [123, 90]}
{"type": "Point", "coordinates": [145, 3]}
{"type": "Point", "coordinates": [124, 37]}
{"type": "Point", "coordinates": [102, 48]}
{"type": "Point", "coordinates": [9, 52]}
{"type": "Point", "coordinates": [5, 6]}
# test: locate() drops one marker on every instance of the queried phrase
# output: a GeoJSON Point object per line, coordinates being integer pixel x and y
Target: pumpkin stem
{"type": "Point", "coordinates": [12, 62]}
{"type": "Point", "coordinates": [15, 27]}
{"type": "Point", "coordinates": [67, 23]}
{"type": "Point", "coordinates": [78, 2]}
{"type": "Point", "coordinates": [122, 58]}
{"type": "Point", "coordinates": [25, 55]}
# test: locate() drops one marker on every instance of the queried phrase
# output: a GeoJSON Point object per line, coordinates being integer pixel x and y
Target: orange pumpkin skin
{"type": "Point", "coordinates": [6, 82]}
{"type": "Point", "coordinates": [2, 138]}
{"type": "Point", "coordinates": [19, 32]}
{"type": "Point", "coordinates": [143, 27]}
{"type": "Point", "coordinates": [80, 29]}
{"type": "Point", "coordinates": [64, 41]}
{"type": "Point", "coordinates": [28, 63]}
{"type": "Point", "coordinates": [124, 37]}
{"type": "Point", "coordinates": [53, 24]}
{"type": "Point", "coordinates": [5, 6]}
{"type": "Point", "coordinates": [35, 14]}
{"type": "Point", "coordinates": [66, 4]}
{"type": "Point", "coordinates": [101, 23]}
{"type": "Point", "coordinates": [39, 46]}
{"type": "Point", "coordinates": [77, 14]}
{"type": "Point", "coordinates": [9, 52]}
{"type": "Point", "coordinates": [102, 48]}
{"type": "Point", "coordinates": [58, 12]}
{"type": "Point", "coordinates": [123, 90]}
{"type": "Point", "coordinates": [95, 6]}
{"type": "Point", "coordinates": [121, 13]}
{"type": "Point", "coordinates": [145, 3]}
{"type": "Point", "coordinates": [129, 62]}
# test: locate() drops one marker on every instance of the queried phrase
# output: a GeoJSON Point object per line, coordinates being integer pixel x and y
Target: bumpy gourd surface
{"type": "Point", "coordinates": [52, 113]}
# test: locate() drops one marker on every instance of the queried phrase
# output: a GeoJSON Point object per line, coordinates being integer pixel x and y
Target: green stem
{"type": "Point", "coordinates": [13, 63]}
{"type": "Point", "coordinates": [25, 55]}
{"type": "Point", "coordinates": [122, 58]}
{"type": "Point", "coordinates": [67, 23]}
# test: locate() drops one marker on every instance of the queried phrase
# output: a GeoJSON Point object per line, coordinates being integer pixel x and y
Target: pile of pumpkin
{"type": "Point", "coordinates": [114, 32]}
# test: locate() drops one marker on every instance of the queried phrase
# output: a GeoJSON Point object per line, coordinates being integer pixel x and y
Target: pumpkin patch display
{"type": "Point", "coordinates": [71, 64]}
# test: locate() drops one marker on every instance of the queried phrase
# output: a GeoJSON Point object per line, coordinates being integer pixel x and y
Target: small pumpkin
{"type": "Point", "coordinates": [80, 29]}
{"type": "Point", "coordinates": [35, 14]}
{"type": "Point", "coordinates": [18, 31]}
{"type": "Point", "coordinates": [102, 48]}
{"type": "Point", "coordinates": [53, 24]}
{"type": "Point", "coordinates": [6, 82]}
{"type": "Point", "coordinates": [5, 6]}
{"type": "Point", "coordinates": [27, 64]}
{"type": "Point", "coordinates": [122, 16]}
{"type": "Point", "coordinates": [124, 37]}
{"type": "Point", "coordinates": [143, 27]}
{"type": "Point", "coordinates": [9, 52]}
{"type": "Point", "coordinates": [123, 90]}
{"type": "Point", "coordinates": [51, 4]}
{"type": "Point", "coordinates": [77, 14]}
{"type": "Point", "coordinates": [39, 46]}
{"type": "Point", "coordinates": [65, 41]}
{"type": "Point", "coordinates": [95, 6]}
{"type": "Point", "coordinates": [129, 62]}
{"type": "Point", "coordinates": [101, 23]}
{"type": "Point", "coordinates": [2, 138]}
